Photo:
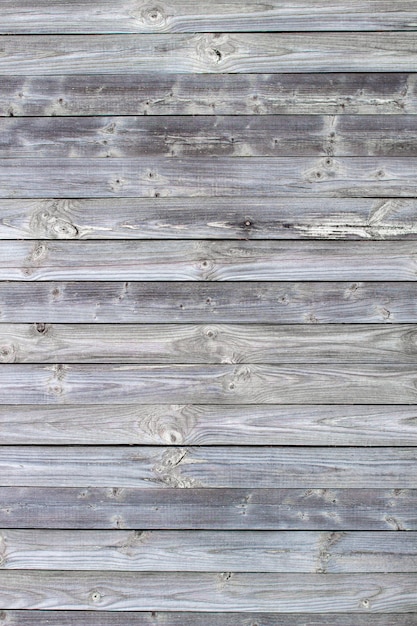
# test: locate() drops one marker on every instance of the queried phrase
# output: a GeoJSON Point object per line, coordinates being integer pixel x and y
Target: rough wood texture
{"type": "Point", "coordinates": [208, 261]}
{"type": "Point", "coordinates": [235, 135]}
{"type": "Point", "coordinates": [150, 467]}
{"type": "Point", "coordinates": [211, 343]}
{"type": "Point", "coordinates": [285, 303]}
{"type": "Point", "coordinates": [122, 591]}
{"type": "Point", "coordinates": [161, 93]}
{"type": "Point", "coordinates": [209, 53]}
{"type": "Point", "coordinates": [211, 551]}
{"type": "Point", "coordinates": [224, 176]}
{"type": "Point", "coordinates": [209, 218]}
{"type": "Point", "coordinates": [211, 509]}
{"type": "Point", "coordinates": [205, 16]}
{"type": "Point", "coordinates": [344, 425]}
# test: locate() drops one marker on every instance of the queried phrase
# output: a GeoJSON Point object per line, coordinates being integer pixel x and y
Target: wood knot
{"type": "Point", "coordinates": [153, 16]}
{"type": "Point", "coordinates": [42, 328]}
{"type": "Point", "coordinates": [8, 354]}
{"type": "Point", "coordinates": [214, 48]}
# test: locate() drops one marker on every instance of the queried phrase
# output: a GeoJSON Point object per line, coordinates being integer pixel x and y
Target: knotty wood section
{"type": "Point", "coordinates": [208, 313]}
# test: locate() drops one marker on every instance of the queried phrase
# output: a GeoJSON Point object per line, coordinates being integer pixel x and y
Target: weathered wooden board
{"type": "Point", "coordinates": [205, 16]}
{"type": "Point", "coordinates": [233, 509]}
{"type": "Point", "coordinates": [226, 591]}
{"type": "Point", "coordinates": [208, 302]}
{"type": "Point", "coordinates": [209, 135]}
{"type": "Point", "coordinates": [209, 218]}
{"type": "Point", "coordinates": [209, 53]}
{"type": "Point", "coordinates": [161, 93]}
{"type": "Point", "coordinates": [343, 425]}
{"type": "Point", "coordinates": [209, 551]}
{"type": "Point", "coordinates": [247, 467]}
{"type": "Point", "coordinates": [212, 343]}
{"type": "Point", "coordinates": [223, 176]}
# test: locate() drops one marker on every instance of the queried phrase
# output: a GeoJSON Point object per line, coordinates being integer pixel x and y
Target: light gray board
{"type": "Point", "coordinates": [285, 303]}
{"type": "Point", "coordinates": [226, 591]}
{"type": "Point", "coordinates": [150, 467]}
{"type": "Point", "coordinates": [209, 551]}
{"type": "Point", "coordinates": [205, 16]}
{"type": "Point", "coordinates": [209, 218]}
{"type": "Point", "coordinates": [209, 53]}
{"type": "Point", "coordinates": [233, 509]}
{"type": "Point", "coordinates": [208, 261]}
{"type": "Point", "coordinates": [209, 135]}
{"type": "Point", "coordinates": [343, 425]}
{"type": "Point", "coordinates": [205, 176]}
{"type": "Point", "coordinates": [208, 343]}
{"type": "Point", "coordinates": [161, 93]}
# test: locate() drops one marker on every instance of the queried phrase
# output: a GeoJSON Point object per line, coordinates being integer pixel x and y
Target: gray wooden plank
{"type": "Point", "coordinates": [150, 467]}
{"type": "Point", "coordinates": [212, 343]}
{"type": "Point", "coordinates": [208, 261]}
{"type": "Point", "coordinates": [172, 618]}
{"type": "Point", "coordinates": [205, 176]}
{"type": "Point", "coordinates": [162, 93]}
{"type": "Point", "coordinates": [226, 591]}
{"type": "Point", "coordinates": [209, 551]}
{"type": "Point", "coordinates": [208, 302]}
{"type": "Point", "coordinates": [209, 135]}
{"type": "Point", "coordinates": [209, 53]}
{"type": "Point", "coordinates": [205, 16]}
{"type": "Point", "coordinates": [343, 425]}
{"type": "Point", "coordinates": [233, 509]}
{"type": "Point", "coordinates": [209, 218]}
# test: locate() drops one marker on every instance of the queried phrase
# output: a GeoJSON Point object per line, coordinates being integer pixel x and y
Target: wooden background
{"type": "Point", "coordinates": [208, 306]}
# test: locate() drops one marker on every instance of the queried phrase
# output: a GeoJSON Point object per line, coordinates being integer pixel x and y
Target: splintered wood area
{"type": "Point", "coordinates": [208, 313]}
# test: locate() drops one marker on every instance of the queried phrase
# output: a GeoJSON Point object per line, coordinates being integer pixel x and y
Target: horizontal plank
{"type": "Point", "coordinates": [209, 135]}
{"type": "Point", "coordinates": [208, 260]}
{"type": "Point", "coordinates": [224, 176]}
{"type": "Point", "coordinates": [150, 467]}
{"type": "Point", "coordinates": [208, 302]}
{"type": "Point", "coordinates": [213, 343]}
{"type": "Point", "coordinates": [232, 509]}
{"type": "Point", "coordinates": [162, 93]}
{"type": "Point", "coordinates": [209, 218]}
{"type": "Point", "coordinates": [205, 16]}
{"type": "Point", "coordinates": [343, 425]}
{"type": "Point", "coordinates": [172, 618]}
{"type": "Point", "coordinates": [121, 591]}
{"type": "Point", "coordinates": [209, 53]}
{"type": "Point", "coordinates": [211, 551]}
{"type": "Point", "coordinates": [208, 384]}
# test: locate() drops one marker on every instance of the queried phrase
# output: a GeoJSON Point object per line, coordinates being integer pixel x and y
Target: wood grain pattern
{"type": "Point", "coordinates": [121, 591]}
{"type": "Point", "coordinates": [209, 53]}
{"type": "Point", "coordinates": [343, 425]}
{"type": "Point", "coordinates": [209, 135]}
{"type": "Point", "coordinates": [162, 93]}
{"type": "Point", "coordinates": [285, 303]}
{"type": "Point", "coordinates": [205, 16]}
{"type": "Point", "coordinates": [209, 551]}
{"type": "Point", "coordinates": [211, 509]}
{"type": "Point", "coordinates": [209, 218]}
{"type": "Point", "coordinates": [248, 467]}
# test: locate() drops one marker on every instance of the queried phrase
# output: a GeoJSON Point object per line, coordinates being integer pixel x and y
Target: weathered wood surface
{"type": "Point", "coordinates": [344, 425]}
{"type": "Point", "coordinates": [208, 302]}
{"type": "Point", "coordinates": [218, 94]}
{"type": "Point", "coordinates": [212, 343]}
{"type": "Point", "coordinates": [142, 591]}
{"type": "Point", "coordinates": [209, 551]}
{"type": "Point", "coordinates": [209, 53]}
{"type": "Point", "coordinates": [209, 218]}
{"type": "Point", "coordinates": [224, 176]}
{"type": "Point", "coordinates": [211, 509]}
{"type": "Point", "coordinates": [208, 261]}
{"type": "Point", "coordinates": [247, 467]}
{"type": "Point", "coordinates": [195, 136]}
{"type": "Point", "coordinates": [205, 16]}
